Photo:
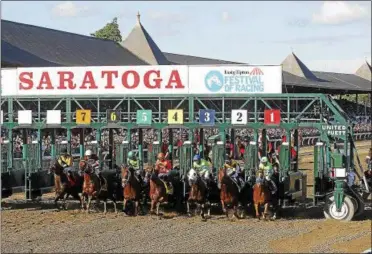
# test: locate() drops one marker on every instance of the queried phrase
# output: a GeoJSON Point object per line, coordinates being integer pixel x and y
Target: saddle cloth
{"type": "Point", "coordinates": [168, 187]}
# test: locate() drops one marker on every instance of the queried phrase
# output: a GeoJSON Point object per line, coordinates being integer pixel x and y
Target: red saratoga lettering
{"type": "Point", "coordinates": [66, 76]}
{"type": "Point", "coordinates": [45, 80]}
{"type": "Point", "coordinates": [136, 79]}
{"type": "Point", "coordinates": [88, 79]}
{"type": "Point", "coordinates": [175, 78]}
{"type": "Point", "coordinates": [109, 83]}
{"type": "Point", "coordinates": [156, 81]}
{"type": "Point", "coordinates": [26, 82]}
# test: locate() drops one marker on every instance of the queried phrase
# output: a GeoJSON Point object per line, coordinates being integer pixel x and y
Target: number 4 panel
{"type": "Point", "coordinates": [239, 116]}
{"type": "Point", "coordinates": [175, 116]}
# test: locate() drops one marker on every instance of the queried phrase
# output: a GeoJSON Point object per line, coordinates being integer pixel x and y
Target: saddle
{"type": "Point", "coordinates": [168, 187]}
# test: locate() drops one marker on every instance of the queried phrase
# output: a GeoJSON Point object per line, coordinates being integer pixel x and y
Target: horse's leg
{"type": "Point", "coordinates": [202, 211]}
{"type": "Point", "coordinates": [89, 201]}
{"type": "Point", "coordinates": [256, 209]}
{"type": "Point", "coordinates": [105, 206]}
{"type": "Point", "coordinates": [152, 206]}
{"type": "Point", "coordinates": [157, 208]}
{"type": "Point", "coordinates": [209, 209]}
{"type": "Point", "coordinates": [136, 208]}
{"type": "Point", "coordinates": [266, 208]}
{"type": "Point", "coordinates": [223, 207]}
{"type": "Point", "coordinates": [188, 208]}
{"type": "Point", "coordinates": [124, 205]}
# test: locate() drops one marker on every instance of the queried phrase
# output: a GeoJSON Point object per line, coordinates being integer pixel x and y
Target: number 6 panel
{"type": "Point", "coordinates": [239, 116]}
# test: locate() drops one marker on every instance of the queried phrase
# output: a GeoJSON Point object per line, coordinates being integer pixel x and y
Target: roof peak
{"type": "Point", "coordinates": [293, 65]}
{"type": "Point", "coordinates": [138, 18]}
{"type": "Point", "coordinates": [364, 71]}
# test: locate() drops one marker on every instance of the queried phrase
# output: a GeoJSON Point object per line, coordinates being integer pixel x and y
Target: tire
{"type": "Point", "coordinates": [347, 210]}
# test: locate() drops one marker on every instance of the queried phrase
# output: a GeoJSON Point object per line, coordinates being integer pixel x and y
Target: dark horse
{"type": "Point", "coordinates": [65, 185]}
{"type": "Point", "coordinates": [92, 188]}
{"type": "Point", "coordinates": [198, 193]}
{"type": "Point", "coordinates": [131, 188]}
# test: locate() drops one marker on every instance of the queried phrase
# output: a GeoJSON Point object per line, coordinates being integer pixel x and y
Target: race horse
{"type": "Point", "coordinates": [198, 193]}
{"type": "Point", "coordinates": [158, 192]}
{"type": "Point", "coordinates": [131, 188]}
{"type": "Point", "coordinates": [65, 185]}
{"type": "Point", "coordinates": [229, 193]}
{"type": "Point", "coordinates": [92, 188]}
{"type": "Point", "coordinates": [261, 196]}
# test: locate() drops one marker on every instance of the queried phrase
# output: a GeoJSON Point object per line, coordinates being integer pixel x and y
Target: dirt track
{"type": "Point", "coordinates": [46, 230]}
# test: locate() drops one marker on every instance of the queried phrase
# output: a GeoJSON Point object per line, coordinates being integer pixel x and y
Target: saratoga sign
{"type": "Point", "coordinates": [140, 80]}
{"type": "Point", "coordinates": [98, 80]}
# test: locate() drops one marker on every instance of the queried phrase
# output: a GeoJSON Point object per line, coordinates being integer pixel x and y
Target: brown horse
{"type": "Point", "coordinates": [158, 192]}
{"type": "Point", "coordinates": [229, 194]}
{"type": "Point", "coordinates": [131, 188]}
{"type": "Point", "coordinates": [198, 193]}
{"type": "Point", "coordinates": [65, 185]}
{"type": "Point", "coordinates": [261, 196]}
{"type": "Point", "coordinates": [92, 188]}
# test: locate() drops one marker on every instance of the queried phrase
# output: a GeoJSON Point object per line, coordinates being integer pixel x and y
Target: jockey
{"type": "Point", "coordinates": [65, 160]}
{"type": "Point", "coordinates": [234, 171]}
{"type": "Point", "coordinates": [133, 162]}
{"type": "Point", "coordinates": [201, 166]}
{"type": "Point", "coordinates": [265, 168]}
{"type": "Point", "coordinates": [164, 167]}
{"type": "Point", "coordinates": [90, 156]}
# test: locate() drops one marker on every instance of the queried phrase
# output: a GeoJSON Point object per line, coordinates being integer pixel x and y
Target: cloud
{"type": "Point", "coordinates": [337, 13]}
{"type": "Point", "coordinates": [225, 16]}
{"type": "Point", "coordinates": [328, 39]}
{"type": "Point", "coordinates": [70, 9]}
{"type": "Point", "coordinates": [339, 65]}
{"type": "Point", "coordinates": [167, 17]}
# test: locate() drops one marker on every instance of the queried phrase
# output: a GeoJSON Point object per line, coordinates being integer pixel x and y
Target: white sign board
{"type": "Point", "coordinates": [235, 79]}
{"type": "Point", "coordinates": [8, 82]}
{"type": "Point", "coordinates": [24, 117]}
{"type": "Point", "coordinates": [239, 116]}
{"type": "Point", "coordinates": [1, 117]}
{"type": "Point", "coordinates": [94, 80]}
{"type": "Point", "coordinates": [53, 117]}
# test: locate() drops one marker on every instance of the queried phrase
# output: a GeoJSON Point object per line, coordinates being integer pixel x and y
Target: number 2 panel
{"type": "Point", "coordinates": [239, 116]}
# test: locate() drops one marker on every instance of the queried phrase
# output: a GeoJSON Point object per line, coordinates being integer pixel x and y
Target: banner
{"type": "Point", "coordinates": [235, 79]}
{"type": "Point", "coordinates": [141, 80]}
{"type": "Point", "coordinates": [103, 80]}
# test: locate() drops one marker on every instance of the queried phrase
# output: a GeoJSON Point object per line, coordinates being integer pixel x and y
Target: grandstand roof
{"type": "Point", "coordinates": [28, 45]}
{"type": "Point", "coordinates": [140, 43]}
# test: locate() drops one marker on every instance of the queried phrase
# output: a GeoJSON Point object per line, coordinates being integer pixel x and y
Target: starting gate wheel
{"type": "Point", "coordinates": [347, 210]}
{"type": "Point", "coordinates": [359, 206]}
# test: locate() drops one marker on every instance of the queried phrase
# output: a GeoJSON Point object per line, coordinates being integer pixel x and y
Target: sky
{"type": "Point", "coordinates": [327, 36]}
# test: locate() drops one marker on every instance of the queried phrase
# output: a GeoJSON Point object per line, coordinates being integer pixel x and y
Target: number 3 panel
{"type": "Point", "coordinates": [239, 116]}
{"type": "Point", "coordinates": [206, 116]}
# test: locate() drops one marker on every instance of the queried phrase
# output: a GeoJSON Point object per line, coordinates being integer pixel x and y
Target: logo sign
{"type": "Point", "coordinates": [239, 116]}
{"type": "Point", "coordinates": [113, 116]}
{"type": "Point", "coordinates": [272, 117]}
{"type": "Point", "coordinates": [144, 117]}
{"type": "Point", "coordinates": [83, 116]}
{"type": "Point", "coordinates": [235, 79]}
{"type": "Point", "coordinates": [175, 116]}
{"type": "Point", "coordinates": [206, 116]}
{"type": "Point", "coordinates": [334, 130]}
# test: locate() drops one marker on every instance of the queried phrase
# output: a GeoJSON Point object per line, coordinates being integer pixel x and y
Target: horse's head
{"type": "Point", "coordinates": [192, 176]}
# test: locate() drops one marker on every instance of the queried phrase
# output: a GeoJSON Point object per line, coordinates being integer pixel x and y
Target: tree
{"type": "Point", "coordinates": [109, 32]}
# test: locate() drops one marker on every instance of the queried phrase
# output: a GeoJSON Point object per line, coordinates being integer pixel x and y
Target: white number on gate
{"type": "Point", "coordinates": [272, 117]}
{"type": "Point", "coordinates": [239, 116]}
{"type": "Point", "coordinates": [207, 117]}
{"type": "Point", "coordinates": [144, 117]}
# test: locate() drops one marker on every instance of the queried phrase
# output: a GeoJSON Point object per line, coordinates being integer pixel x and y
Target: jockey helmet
{"type": "Point", "coordinates": [88, 152]}
{"type": "Point", "coordinates": [264, 159]}
{"type": "Point", "coordinates": [130, 154]}
{"type": "Point", "coordinates": [196, 157]}
{"type": "Point", "coordinates": [161, 156]}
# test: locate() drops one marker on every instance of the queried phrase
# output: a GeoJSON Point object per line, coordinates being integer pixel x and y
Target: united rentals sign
{"type": "Point", "coordinates": [334, 130]}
